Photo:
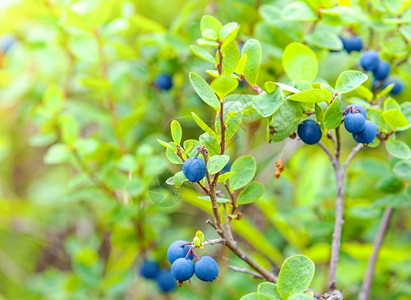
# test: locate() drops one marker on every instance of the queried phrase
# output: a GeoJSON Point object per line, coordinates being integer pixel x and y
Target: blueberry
{"type": "Point", "coordinates": [165, 281]}
{"type": "Point", "coordinates": [367, 135]}
{"type": "Point", "coordinates": [149, 269]}
{"type": "Point", "coordinates": [398, 87]}
{"type": "Point", "coordinates": [354, 122]}
{"type": "Point", "coordinates": [182, 269]}
{"type": "Point", "coordinates": [369, 60]}
{"type": "Point", "coordinates": [382, 71]}
{"type": "Point", "coordinates": [357, 107]}
{"type": "Point", "coordinates": [177, 250]}
{"type": "Point", "coordinates": [163, 82]}
{"type": "Point", "coordinates": [353, 44]}
{"type": "Point", "coordinates": [206, 268]}
{"type": "Point", "coordinates": [194, 169]}
{"type": "Point", "coordinates": [226, 168]}
{"type": "Point", "coordinates": [309, 132]}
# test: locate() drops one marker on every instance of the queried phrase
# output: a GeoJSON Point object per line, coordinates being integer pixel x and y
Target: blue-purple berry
{"type": "Point", "coordinates": [206, 268]}
{"type": "Point", "coordinates": [367, 135]}
{"type": "Point", "coordinates": [382, 71]}
{"type": "Point", "coordinates": [309, 132]}
{"type": "Point", "coordinates": [194, 169]}
{"type": "Point", "coordinates": [178, 249]}
{"type": "Point", "coordinates": [182, 269]}
{"type": "Point", "coordinates": [149, 269]}
{"type": "Point", "coordinates": [369, 60]}
{"type": "Point", "coordinates": [165, 281]}
{"type": "Point", "coordinates": [163, 82]}
{"type": "Point", "coordinates": [354, 122]}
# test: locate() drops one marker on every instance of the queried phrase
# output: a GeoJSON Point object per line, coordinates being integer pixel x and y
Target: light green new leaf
{"type": "Point", "coordinates": [319, 113]}
{"type": "Point", "coordinates": [202, 53]}
{"type": "Point", "coordinates": [204, 91]}
{"type": "Point", "coordinates": [204, 126]}
{"type": "Point", "coordinates": [298, 11]}
{"type": "Point", "coordinates": [179, 179]}
{"type": "Point", "coordinates": [165, 144]}
{"type": "Point", "coordinates": [241, 65]}
{"type": "Point", "coordinates": [390, 103]}
{"type": "Point", "coordinates": [269, 289]}
{"type": "Point", "coordinates": [270, 86]}
{"type": "Point", "coordinates": [69, 129]}
{"type": "Point", "coordinates": [176, 132]}
{"type": "Point", "coordinates": [301, 296]}
{"type": "Point", "coordinates": [171, 154]}
{"type": "Point", "coordinates": [314, 95]}
{"type": "Point", "coordinates": [324, 39]}
{"type": "Point", "coordinates": [210, 27]}
{"type": "Point", "coordinates": [252, 49]}
{"type": "Point", "coordinates": [267, 104]}
{"type": "Point", "coordinates": [224, 85]}
{"type": "Point", "coordinates": [231, 55]}
{"type": "Point", "coordinates": [398, 149]}
{"type": "Point", "coordinates": [300, 62]}
{"type": "Point", "coordinates": [53, 98]}
{"type": "Point", "coordinates": [251, 193]}
{"type": "Point", "coordinates": [256, 296]}
{"type": "Point", "coordinates": [244, 168]}
{"type": "Point", "coordinates": [223, 177]}
{"type": "Point", "coordinates": [402, 170]}
{"type": "Point", "coordinates": [349, 80]}
{"type": "Point", "coordinates": [295, 275]}
{"type": "Point", "coordinates": [216, 163]}
{"type": "Point", "coordinates": [333, 114]}
{"type": "Point", "coordinates": [395, 118]}
{"type": "Point", "coordinates": [229, 30]}
{"type": "Point", "coordinates": [58, 153]}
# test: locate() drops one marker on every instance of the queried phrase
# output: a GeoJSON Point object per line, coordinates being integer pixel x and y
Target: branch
{"type": "Point", "coordinates": [351, 156]}
{"type": "Point", "coordinates": [366, 286]}
{"type": "Point", "coordinates": [247, 271]}
{"type": "Point", "coordinates": [255, 88]}
{"type": "Point", "coordinates": [214, 242]}
{"type": "Point", "coordinates": [328, 152]}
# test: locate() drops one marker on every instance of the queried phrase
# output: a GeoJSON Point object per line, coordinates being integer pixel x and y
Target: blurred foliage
{"type": "Point", "coordinates": [83, 198]}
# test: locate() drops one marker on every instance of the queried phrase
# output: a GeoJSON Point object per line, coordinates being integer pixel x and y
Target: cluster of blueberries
{"type": "Point", "coordinates": [182, 266]}
{"type": "Point", "coordinates": [355, 121]}
{"type": "Point", "coordinates": [371, 62]}
{"type": "Point", "coordinates": [163, 82]}
{"type": "Point", "coordinates": [151, 270]}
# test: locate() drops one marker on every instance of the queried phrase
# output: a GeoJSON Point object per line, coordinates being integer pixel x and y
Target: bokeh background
{"type": "Point", "coordinates": [83, 198]}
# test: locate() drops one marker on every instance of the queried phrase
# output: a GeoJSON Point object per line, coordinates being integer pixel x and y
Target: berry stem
{"type": "Point", "coordinates": [385, 222]}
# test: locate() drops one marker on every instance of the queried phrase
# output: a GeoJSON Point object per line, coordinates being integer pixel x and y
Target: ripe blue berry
{"type": "Point", "coordinates": [309, 132]}
{"type": "Point", "coordinates": [226, 168]}
{"type": "Point", "coordinates": [398, 87]}
{"type": "Point", "coordinates": [355, 108]}
{"type": "Point", "coordinates": [182, 269]}
{"type": "Point", "coordinates": [353, 44]}
{"type": "Point", "coordinates": [367, 135]}
{"type": "Point", "coordinates": [194, 169]}
{"type": "Point", "coordinates": [354, 122]}
{"type": "Point", "coordinates": [369, 60]}
{"type": "Point", "coordinates": [163, 82]}
{"type": "Point", "coordinates": [149, 269]}
{"type": "Point", "coordinates": [165, 281]}
{"type": "Point", "coordinates": [177, 250]}
{"type": "Point", "coordinates": [206, 268]}
{"type": "Point", "coordinates": [382, 71]}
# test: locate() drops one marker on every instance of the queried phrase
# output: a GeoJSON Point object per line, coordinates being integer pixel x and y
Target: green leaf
{"type": "Point", "coordinates": [395, 118]}
{"type": "Point", "coordinates": [212, 145]}
{"type": "Point", "coordinates": [398, 149]}
{"type": "Point", "coordinates": [209, 26]}
{"type": "Point", "coordinates": [256, 296]}
{"type": "Point", "coordinates": [204, 91]}
{"type": "Point", "coordinates": [165, 144]}
{"type": "Point", "coordinates": [216, 163]}
{"type": "Point", "coordinates": [56, 154]}
{"type": "Point", "coordinates": [324, 39]}
{"type": "Point", "coordinates": [252, 49]}
{"type": "Point", "coordinates": [285, 121]}
{"type": "Point", "coordinates": [284, 87]}
{"type": "Point", "coordinates": [53, 98]}
{"type": "Point", "coordinates": [298, 11]}
{"type": "Point", "coordinates": [402, 170]}
{"type": "Point", "coordinates": [239, 69]}
{"type": "Point", "coordinates": [200, 236]}
{"type": "Point", "coordinates": [95, 83]}
{"type": "Point", "coordinates": [319, 113]}
{"type": "Point", "coordinates": [390, 184]}
{"type": "Point", "coordinates": [179, 179]}
{"type": "Point", "coordinates": [267, 104]}
{"type": "Point", "coordinates": [301, 296]}
{"type": "Point", "coordinates": [251, 193]}
{"type": "Point", "coordinates": [349, 80]}
{"type": "Point", "coordinates": [204, 126]}
{"type": "Point", "coordinates": [333, 114]}
{"type": "Point", "coordinates": [176, 132]}
{"type": "Point", "coordinates": [244, 168]}
{"type": "Point", "coordinates": [295, 275]}
{"type": "Point", "coordinates": [314, 95]}
{"type": "Point", "coordinates": [231, 54]}
{"type": "Point", "coordinates": [69, 129]}
{"type": "Point", "coordinates": [171, 154]}
{"type": "Point", "coordinates": [390, 103]}
{"type": "Point", "coordinates": [202, 53]}
{"type": "Point", "coordinates": [219, 200]}
{"type": "Point", "coordinates": [224, 177]}
{"type": "Point", "coordinates": [300, 62]}
{"type": "Point", "coordinates": [224, 85]}
{"type": "Point", "coordinates": [269, 289]}
{"type": "Point", "coordinates": [229, 30]}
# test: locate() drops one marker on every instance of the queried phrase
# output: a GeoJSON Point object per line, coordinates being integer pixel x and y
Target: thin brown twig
{"type": "Point", "coordinates": [385, 222]}
{"type": "Point", "coordinates": [247, 271]}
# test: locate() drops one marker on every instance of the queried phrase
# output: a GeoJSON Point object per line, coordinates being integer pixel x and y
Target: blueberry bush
{"type": "Point", "coordinates": [229, 149]}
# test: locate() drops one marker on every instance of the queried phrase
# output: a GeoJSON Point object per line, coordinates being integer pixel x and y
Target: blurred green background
{"type": "Point", "coordinates": [81, 169]}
